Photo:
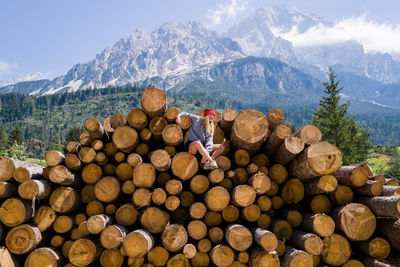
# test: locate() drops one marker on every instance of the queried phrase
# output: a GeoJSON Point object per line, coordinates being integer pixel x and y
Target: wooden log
{"type": "Point", "coordinates": [87, 193]}
{"type": "Point", "coordinates": [110, 149]}
{"type": "Point", "coordinates": [97, 223]}
{"type": "Point", "coordinates": [154, 219]}
{"type": "Point", "coordinates": [38, 189]}
{"type": "Point", "coordinates": [85, 139]}
{"type": "Point", "coordinates": [228, 118]}
{"type": "Point", "coordinates": [23, 239]}
{"type": "Point", "coordinates": [161, 160]}
{"type": "Point", "coordinates": [174, 237]}
{"type": "Point", "coordinates": [355, 220]}
{"type": "Point", "coordinates": [241, 158]}
{"type": "Point", "coordinates": [172, 135]}
{"type": "Point", "coordinates": [383, 206]}
{"type": "Point", "coordinates": [251, 213]}
{"type": "Point", "coordinates": [159, 196]}
{"type": "Point", "coordinates": [124, 171]}
{"type": "Point", "coordinates": [217, 198]}
{"type": "Point", "coordinates": [222, 255]}
{"type": "Point", "coordinates": [249, 130]}
{"type": "Point", "coordinates": [216, 176]}
{"type": "Point", "coordinates": [281, 248]}
{"type": "Point", "coordinates": [309, 134]}
{"type": "Point", "coordinates": [378, 248]}
{"type": "Point", "coordinates": [64, 199]}
{"type": "Point", "coordinates": [142, 149]}
{"type": "Point", "coordinates": [94, 207]}
{"type": "Point", "coordinates": [45, 256]}
{"type": "Point", "coordinates": [158, 256]}
{"type": "Point", "coordinates": [260, 182]}
{"type": "Point", "coordinates": [392, 182]}
{"type": "Point", "coordinates": [318, 159]}
{"type": "Point", "coordinates": [185, 124]}
{"type": "Point", "coordinates": [171, 113]}
{"type": "Point", "coordinates": [119, 157]}
{"type": "Point", "coordinates": [388, 191]}
{"type": "Point", "coordinates": [277, 202]}
{"type": "Point", "coordinates": [262, 258]}
{"type": "Point", "coordinates": [282, 229]}
{"type": "Point", "coordinates": [292, 191]}
{"type": "Point", "coordinates": [189, 250]}
{"type": "Point", "coordinates": [321, 185]}
{"type": "Point", "coordinates": [230, 214]}
{"type": "Point", "coordinates": [7, 189]}
{"type": "Point", "coordinates": [54, 157]}
{"type": "Point", "coordinates": [342, 195]}
{"type": "Point", "coordinates": [73, 162]}
{"type": "Point", "coordinates": [141, 197]}
{"type": "Point", "coordinates": [308, 242]}
{"type": "Point", "coordinates": [154, 101]}
{"type": "Point", "coordinates": [178, 260]}
{"type": "Point", "coordinates": [353, 263]}
{"type": "Point", "coordinates": [336, 250]}
{"type": "Point", "coordinates": [118, 119]}
{"type": "Point", "coordinates": [252, 169]}
{"type": "Point", "coordinates": [295, 257]}
{"type": "Point", "coordinates": [243, 195]}
{"type": "Point", "coordinates": [172, 203]}
{"type": "Point", "coordinates": [94, 127]}
{"type": "Point", "coordinates": [107, 126]}
{"type": "Point", "coordinates": [238, 237]}
{"type": "Point", "coordinates": [354, 176]}
{"type": "Point", "coordinates": [379, 177]}
{"type": "Point", "coordinates": [125, 139]}
{"type": "Point", "coordinates": [288, 150]}
{"type": "Point", "coordinates": [62, 175]}
{"type": "Point", "coordinates": [240, 176]}
{"type": "Point", "coordinates": [197, 229]}
{"type": "Point", "coordinates": [370, 188]}
{"type": "Point", "coordinates": [112, 236]}
{"type": "Point", "coordinates": [84, 251]}
{"type": "Point", "coordinates": [28, 171]}
{"type": "Point", "coordinates": [144, 175]}
{"type": "Point", "coordinates": [198, 210]}
{"type": "Point", "coordinates": [87, 155]}
{"type": "Point", "coordinates": [278, 135]}
{"type": "Point", "coordinates": [184, 165]}
{"type": "Point", "coordinates": [391, 229]}
{"type": "Point", "coordinates": [320, 224]}
{"type": "Point", "coordinates": [319, 204]}
{"type": "Point", "coordinates": [6, 258]}
{"type": "Point", "coordinates": [134, 159]}
{"type": "Point", "coordinates": [275, 117]}
{"type": "Point", "coordinates": [264, 202]}
{"type": "Point", "coordinates": [44, 218]}
{"type": "Point", "coordinates": [111, 258]}
{"type": "Point", "coordinates": [278, 173]}
{"type": "Point", "coordinates": [265, 239]}
{"type": "Point", "coordinates": [262, 161]}
{"type": "Point", "coordinates": [63, 224]}
{"type": "Point", "coordinates": [14, 211]}
{"type": "Point", "coordinates": [145, 135]}
{"type": "Point", "coordinates": [107, 189]}
{"type": "Point", "coordinates": [72, 146]}
{"type": "Point", "coordinates": [137, 119]}
{"type": "Point", "coordinates": [97, 145]}
{"type": "Point", "coordinates": [294, 217]}
{"type": "Point", "coordinates": [157, 125]}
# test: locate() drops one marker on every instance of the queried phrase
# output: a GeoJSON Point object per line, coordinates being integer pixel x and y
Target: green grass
{"type": "Point", "coordinates": [37, 161]}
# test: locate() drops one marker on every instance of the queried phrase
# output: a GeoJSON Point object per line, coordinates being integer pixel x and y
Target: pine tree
{"type": "Point", "coordinates": [15, 136]}
{"type": "Point", "coordinates": [339, 128]}
{"type": "Point", "coordinates": [3, 138]}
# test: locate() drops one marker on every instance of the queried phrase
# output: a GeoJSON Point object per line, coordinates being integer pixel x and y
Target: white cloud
{"type": "Point", "coordinates": [6, 68]}
{"type": "Point", "coordinates": [226, 11]}
{"type": "Point", "coordinates": [374, 36]}
{"type": "Point", "coordinates": [26, 77]}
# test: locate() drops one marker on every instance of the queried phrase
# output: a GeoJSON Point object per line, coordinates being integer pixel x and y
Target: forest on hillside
{"type": "Point", "coordinates": [46, 122]}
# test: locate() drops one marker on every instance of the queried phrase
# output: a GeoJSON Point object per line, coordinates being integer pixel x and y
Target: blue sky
{"type": "Point", "coordinates": [45, 38]}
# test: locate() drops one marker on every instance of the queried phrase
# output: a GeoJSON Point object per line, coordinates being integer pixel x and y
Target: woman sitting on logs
{"type": "Point", "coordinates": [201, 138]}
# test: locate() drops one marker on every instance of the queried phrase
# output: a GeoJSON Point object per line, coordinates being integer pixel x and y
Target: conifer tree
{"type": "Point", "coordinates": [15, 136]}
{"type": "Point", "coordinates": [3, 138]}
{"type": "Point", "coordinates": [337, 126]}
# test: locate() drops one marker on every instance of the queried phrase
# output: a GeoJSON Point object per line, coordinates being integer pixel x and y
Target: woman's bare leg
{"type": "Point", "coordinates": [218, 149]}
{"type": "Point", "coordinates": [195, 147]}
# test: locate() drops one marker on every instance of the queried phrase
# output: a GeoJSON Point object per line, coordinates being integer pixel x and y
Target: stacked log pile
{"type": "Point", "coordinates": [127, 194]}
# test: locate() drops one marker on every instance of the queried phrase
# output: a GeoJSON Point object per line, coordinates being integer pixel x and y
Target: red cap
{"type": "Point", "coordinates": [208, 111]}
